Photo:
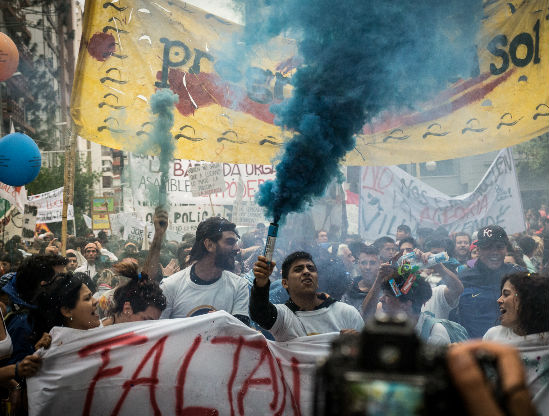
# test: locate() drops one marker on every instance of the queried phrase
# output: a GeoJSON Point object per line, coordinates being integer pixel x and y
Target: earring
{"type": "Point", "coordinates": [70, 318]}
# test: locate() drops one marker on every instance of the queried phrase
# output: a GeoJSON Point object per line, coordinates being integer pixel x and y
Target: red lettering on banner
{"type": "Point", "coordinates": [376, 178]}
{"type": "Point", "coordinates": [151, 381]}
{"type": "Point", "coordinates": [297, 387]}
{"type": "Point", "coordinates": [273, 380]}
{"type": "Point", "coordinates": [265, 353]}
{"type": "Point", "coordinates": [180, 410]}
{"type": "Point", "coordinates": [103, 372]}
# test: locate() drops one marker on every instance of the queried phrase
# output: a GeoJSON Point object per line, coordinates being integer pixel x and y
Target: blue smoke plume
{"type": "Point", "coordinates": [161, 140]}
{"type": "Point", "coordinates": [360, 57]}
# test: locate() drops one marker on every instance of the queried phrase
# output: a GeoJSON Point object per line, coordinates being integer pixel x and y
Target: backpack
{"type": "Point", "coordinates": [456, 332]}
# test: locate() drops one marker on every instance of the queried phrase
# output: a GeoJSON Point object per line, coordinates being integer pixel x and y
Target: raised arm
{"type": "Point", "coordinates": [261, 310]}
{"type": "Point", "coordinates": [454, 287]}
{"type": "Point", "coordinates": [152, 264]}
{"type": "Point", "coordinates": [369, 304]}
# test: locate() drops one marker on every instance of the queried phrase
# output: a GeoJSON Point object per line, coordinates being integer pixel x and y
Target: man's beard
{"type": "Point", "coordinates": [224, 261]}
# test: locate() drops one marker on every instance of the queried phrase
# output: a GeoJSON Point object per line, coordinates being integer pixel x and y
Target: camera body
{"type": "Point", "coordinates": [386, 370]}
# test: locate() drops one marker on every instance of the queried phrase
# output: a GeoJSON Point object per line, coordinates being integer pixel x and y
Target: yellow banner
{"type": "Point", "coordinates": [133, 47]}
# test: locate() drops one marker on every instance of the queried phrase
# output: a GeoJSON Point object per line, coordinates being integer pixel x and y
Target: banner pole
{"type": "Point", "coordinates": [68, 179]}
{"type": "Point", "coordinates": [211, 205]}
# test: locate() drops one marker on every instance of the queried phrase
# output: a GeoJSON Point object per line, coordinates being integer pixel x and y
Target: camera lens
{"type": "Point", "coordinates": [389, 355]}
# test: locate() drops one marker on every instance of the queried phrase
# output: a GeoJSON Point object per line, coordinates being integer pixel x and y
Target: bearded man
{"type": "Point", "coordinates": [208, 284]}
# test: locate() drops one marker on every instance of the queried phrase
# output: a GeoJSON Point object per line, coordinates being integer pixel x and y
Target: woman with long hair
{"type": "Point", "coordinates": [524, 317]}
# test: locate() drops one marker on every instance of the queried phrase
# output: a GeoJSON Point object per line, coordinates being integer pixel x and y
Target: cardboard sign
{"type": "Point", "coordinates": [104, 204]}
{"type": "Point", "coordinates": [100, 222]}
{"type": "Point", "coordinates": [206, 179]}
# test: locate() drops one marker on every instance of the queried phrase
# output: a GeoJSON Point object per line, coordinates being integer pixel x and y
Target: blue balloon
{"type": "Point", "coordinates": [20, 159]}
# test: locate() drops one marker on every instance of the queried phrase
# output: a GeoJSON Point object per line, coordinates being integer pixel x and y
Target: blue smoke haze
{"type": "Point", "coordinates": [361, 57]}
{"type": "Point", "coordinates": [161, 140]}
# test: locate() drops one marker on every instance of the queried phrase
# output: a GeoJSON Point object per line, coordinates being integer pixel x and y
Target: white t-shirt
{"type": "Point", "coordinates": [438, 305]}
{"type": "Point", "coordinates": [87, 268]}
{"type": "Point", "coordinates": [334, 318]}
{"type": "Point", "coordinates": [438, 335]}
{"type": "Point", "coordinates": [184, 298]}
{"type": "Point", "coordinates": [534, 351]}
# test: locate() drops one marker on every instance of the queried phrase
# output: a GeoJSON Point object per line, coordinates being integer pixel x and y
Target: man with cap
{"type": "Point", "coordinates": [478, 308]}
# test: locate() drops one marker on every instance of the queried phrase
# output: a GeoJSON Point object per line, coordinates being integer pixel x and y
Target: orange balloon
{"type": "Point", "coordinates": [9, 57]}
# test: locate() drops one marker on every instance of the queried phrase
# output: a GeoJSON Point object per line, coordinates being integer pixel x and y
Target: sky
{"type": "Point", "coordinates": [221, 8]}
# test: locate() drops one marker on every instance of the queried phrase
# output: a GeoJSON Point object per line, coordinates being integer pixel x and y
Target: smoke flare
{"type": "Point", "coordinates": [361, 57]}
{"type": "Point", "coordinates": [161, 140]}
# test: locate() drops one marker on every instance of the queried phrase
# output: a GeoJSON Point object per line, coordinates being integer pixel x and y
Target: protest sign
{"type": "Point", "coordinates": [134, 230]}
{"type": "Point", "coordinates": [100, 221]}
{"type": "Point", "coordinates": [29, 222]}
{"type": "Point", "coordinates": [390, 197]}
{"type": "Point", "coordinates": [14, 195]}
{"type": "Point", "coordinates": [103, 204]}
{"type": "Point", "coordinates": [206, 179]}
{"type": "Point", "coordinates": [185, 210]}
{"type": "Point", "coordinates": [248, 213]}
{"type": "Point", "coordinates": [144, 174]}
{"type": "Point", "coordinates": [50, 206]}
{"type": "Point", "coordinates": [12, 224]}
{"type": "Point", "coordinates": [223, 113]}
{"type": "Point", "coordinates": [210, 364]}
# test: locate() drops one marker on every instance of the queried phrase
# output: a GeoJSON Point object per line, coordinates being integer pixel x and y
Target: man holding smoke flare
{"type": "Point", "coordinates": [307, 312]}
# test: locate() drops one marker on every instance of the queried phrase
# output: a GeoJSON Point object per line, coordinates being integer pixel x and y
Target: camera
{"type": "Point", "coordinates": [387, 370]}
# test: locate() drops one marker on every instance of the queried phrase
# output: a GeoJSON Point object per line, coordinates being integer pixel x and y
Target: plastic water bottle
{"type": "Point", "coordinates": [432, 260]}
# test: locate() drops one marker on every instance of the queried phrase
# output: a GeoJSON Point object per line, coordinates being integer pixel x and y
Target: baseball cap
{"type": "Point", "coordinates": [491, 234]}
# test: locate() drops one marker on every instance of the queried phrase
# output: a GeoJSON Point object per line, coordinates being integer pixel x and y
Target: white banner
{"type": "Point", "coordinates": [134, 228]}
{"type": "Point", "coordinates": [210, 364]}
{"type": "Point", "coordinates": [50, 206]}
{"type": "Point", "coordinates": [14, 195]}
{"type": "Point", "coordinates": [144, 173]}
{"type": "Point", "coordinates": [187, 211]}
{"type": "Point", "coordinates": [389, 197]}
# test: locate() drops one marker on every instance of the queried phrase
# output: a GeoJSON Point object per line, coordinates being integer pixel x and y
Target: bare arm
{"type": "Point", "coordinates": [454, 287]}
{"type": "Point", "coordinates": [151, 267]}
{"type": "Point", "coordinates": [370, 302]}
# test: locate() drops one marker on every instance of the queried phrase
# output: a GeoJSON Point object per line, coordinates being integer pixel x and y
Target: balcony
{"type": "Point", "coordinates": [19, 83]}
{"type": "Point", "coordinates": [11, 110]}
{"type": "Point", "coordinates": [24, 52]}
{"type": "Point", "coordinates": [15, 18]}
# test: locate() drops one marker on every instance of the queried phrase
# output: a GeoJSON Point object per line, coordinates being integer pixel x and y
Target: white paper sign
{"type": "Point", "coordinates": [206, 179]}
{"type": "Point", "coordinates": [390, 197]}
{"type": "Point", "coordinates": [50, 206]}
{"type": "Point", "coordinates": [206, 365]}
{"type": "Point", "coordinates": [248, 213]}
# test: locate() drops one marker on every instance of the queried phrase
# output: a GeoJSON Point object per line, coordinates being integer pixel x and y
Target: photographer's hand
{"type": "Point", "coordinates": [476, 391]}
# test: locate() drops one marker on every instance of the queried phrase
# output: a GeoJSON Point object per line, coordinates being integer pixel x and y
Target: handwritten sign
{"type": "Point", "coordinates": [206, 365]}
{"type": "Point", "coordinates": [206, 179]}
{"type": "Point", "coordinates": [248, 213]}
{"type": "Point", "coordinates": [50, 206]}
{"type": "Point", "coordinates": [390, 197]}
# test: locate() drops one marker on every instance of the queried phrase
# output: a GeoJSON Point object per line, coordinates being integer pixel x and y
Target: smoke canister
{"type": "Point", "coordinates": [271, 240]}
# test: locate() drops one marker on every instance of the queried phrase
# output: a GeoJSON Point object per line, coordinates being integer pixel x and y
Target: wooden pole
{"type": "Point", "coordinates": [68, 184]}
{"type": "Point", "coordinates": [211, 205]}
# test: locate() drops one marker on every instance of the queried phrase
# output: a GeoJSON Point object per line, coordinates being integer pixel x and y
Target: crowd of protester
{"type": "Point", "coordinates": [488, 285]}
